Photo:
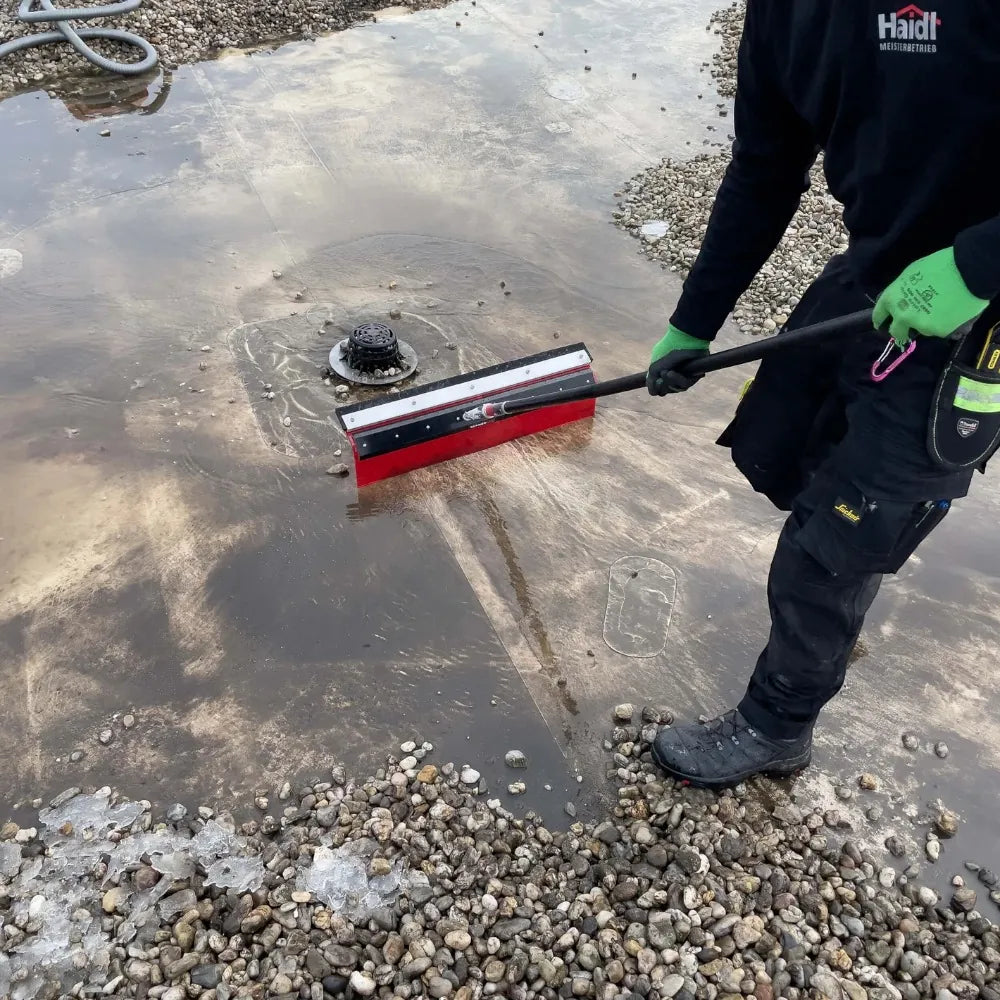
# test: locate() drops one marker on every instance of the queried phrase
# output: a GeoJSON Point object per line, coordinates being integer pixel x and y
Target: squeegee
{"type": "Point", "coordinates": [457, 416]}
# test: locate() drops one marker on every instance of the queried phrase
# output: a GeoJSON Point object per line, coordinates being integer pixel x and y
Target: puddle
{"type": "Point", "coordinates": [171, 552]}
{"type": "Point", "coordinates": [530, 620]}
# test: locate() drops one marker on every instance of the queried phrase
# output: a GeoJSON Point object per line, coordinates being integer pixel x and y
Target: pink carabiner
{"type": "Point", "coordinates": [881, 376]}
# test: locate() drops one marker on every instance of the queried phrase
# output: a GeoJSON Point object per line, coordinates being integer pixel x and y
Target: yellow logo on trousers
{"type": "Point", "coordinates": [847, 512]}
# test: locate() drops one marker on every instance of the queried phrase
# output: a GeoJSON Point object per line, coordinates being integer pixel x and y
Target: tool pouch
{"type": "Point", "coordinates": [964, 426]}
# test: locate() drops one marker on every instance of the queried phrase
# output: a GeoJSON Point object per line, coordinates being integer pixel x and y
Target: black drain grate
{"type": "Point", "coordinates": [373, 347]}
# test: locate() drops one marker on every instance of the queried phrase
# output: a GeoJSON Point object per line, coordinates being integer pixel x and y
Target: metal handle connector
{"type": "Point", "coordinates": [488, 411]}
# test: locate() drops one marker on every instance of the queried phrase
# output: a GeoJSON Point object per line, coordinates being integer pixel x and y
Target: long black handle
{"type": "Point", "coordinates": [852, 323]}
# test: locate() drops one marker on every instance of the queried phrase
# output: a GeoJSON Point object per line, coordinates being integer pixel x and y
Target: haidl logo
{"type": "Point", "coordinates": [909, 29]}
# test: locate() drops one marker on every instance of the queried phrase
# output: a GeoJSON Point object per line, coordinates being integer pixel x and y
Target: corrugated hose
{"type": "Point", "coordinates": [43, 12]}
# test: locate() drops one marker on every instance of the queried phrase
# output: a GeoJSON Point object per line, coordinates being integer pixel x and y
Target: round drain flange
{"type": "Point", "coordinates": [373, 355]}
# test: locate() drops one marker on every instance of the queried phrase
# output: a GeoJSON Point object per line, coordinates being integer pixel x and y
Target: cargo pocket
{"type": "Point", "coordinates": [765, 445]}
{"type": "Point", "coordinates": [849, 533]}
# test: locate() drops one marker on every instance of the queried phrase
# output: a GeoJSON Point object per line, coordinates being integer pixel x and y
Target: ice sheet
{"type": "Point", "coordinates": [50, 889]}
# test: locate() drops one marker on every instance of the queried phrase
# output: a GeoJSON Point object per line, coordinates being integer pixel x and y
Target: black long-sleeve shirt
{"type": "Point", "coordinates": [904, 102]}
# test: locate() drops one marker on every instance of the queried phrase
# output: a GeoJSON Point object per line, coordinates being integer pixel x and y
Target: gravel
{"type": "Point", "coordinates": [407, 885]}
{"type": "Point", "coordinates": [680, 194]}
{"type": "Point", "coordinates": [184, 31]}
{"type": "Point", "coordinates": [727, 23]}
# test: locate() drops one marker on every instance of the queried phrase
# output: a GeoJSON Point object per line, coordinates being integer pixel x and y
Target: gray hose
{"type": "Point", "coordinates": [45, 13]}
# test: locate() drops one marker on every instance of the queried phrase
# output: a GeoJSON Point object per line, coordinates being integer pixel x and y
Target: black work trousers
{"type": "Point", "coordinates": [847, 457]}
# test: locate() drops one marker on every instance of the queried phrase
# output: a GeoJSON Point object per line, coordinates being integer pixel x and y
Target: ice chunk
{"type": "Point", "coordinates": [339, 878]}
{"type": "Point", "coordinates": [384, 885]}
{"type": "Point", "coordinates": [655, 230]}
{"type": "Point", "coordinates": [10, 860]}
{"type": "Point", "coordinates": [31, 871]}
{"type": "Point", "coordinates": [333, 876]}
{"type": "Point", "coordinates": [142, 912]}
{"type": "Point", "coordinates": [178, 903]}
{"type": "Point", "coordinates": [47, 891]}
{"type": "Point", "coordinates": [176, 864]}
{"type": "Point", "coordinates": [219, 851]}
{"type": "Point", "coordinates": [47, 953]}
{"type": "Point", "coordinates": [90, 816]}
{"type": "Point", "coordinates": [175, 857]}
{"type": "Point", "coordinates": [214, 840]}
{"type": "Point", "coordinates": [240, 874]}
{"type": "Point", "coordinates": [158, 847]}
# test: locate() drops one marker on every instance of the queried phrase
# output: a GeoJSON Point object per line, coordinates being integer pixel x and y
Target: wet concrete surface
{"type": "Point", "coordinates": [168, 552]}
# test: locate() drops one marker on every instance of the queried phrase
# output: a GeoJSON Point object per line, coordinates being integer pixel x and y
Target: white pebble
{"type": "Point", "coordinates": [362, 985]}
{"type": "Point", "coordinates": [624, 712]}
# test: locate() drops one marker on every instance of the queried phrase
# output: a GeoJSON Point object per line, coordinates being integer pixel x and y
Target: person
{"type": "Point", "coordinates": [904, 105]}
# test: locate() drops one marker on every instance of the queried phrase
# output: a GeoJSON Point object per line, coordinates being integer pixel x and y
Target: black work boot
{"type": "Point", "coordinates": [726, 751]}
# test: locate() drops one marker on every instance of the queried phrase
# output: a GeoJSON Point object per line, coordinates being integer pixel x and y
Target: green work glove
{"type": "Point", "coordinates": [929, 298]}
{"type": "Point", "coordinates": [668, 354]}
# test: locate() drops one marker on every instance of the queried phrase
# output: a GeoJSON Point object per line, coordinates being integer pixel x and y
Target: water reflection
{"type": "Point", "coordinates": [108, 96]}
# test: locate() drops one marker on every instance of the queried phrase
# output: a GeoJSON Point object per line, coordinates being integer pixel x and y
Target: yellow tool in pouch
{"type": "Point", "coordinates": [989, 356]}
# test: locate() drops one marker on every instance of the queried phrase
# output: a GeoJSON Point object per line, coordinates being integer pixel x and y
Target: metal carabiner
{"type": "Point", "coordinates": [880, 376]}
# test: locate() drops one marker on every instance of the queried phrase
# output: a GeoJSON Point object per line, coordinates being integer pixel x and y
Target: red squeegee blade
{"type": "Point", "coordinates": [424, 426]}
{"type": "Point", "coordinates": [467, 442]}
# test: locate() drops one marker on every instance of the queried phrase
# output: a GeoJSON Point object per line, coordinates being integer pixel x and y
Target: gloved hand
{"type": "Point", "coordinates": [929, 298]}
{"type": "Point", "coordinates": [672, 350]}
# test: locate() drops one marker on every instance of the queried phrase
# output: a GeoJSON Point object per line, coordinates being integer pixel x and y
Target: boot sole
{"type": "Point", "coordinates": [784, 769]}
